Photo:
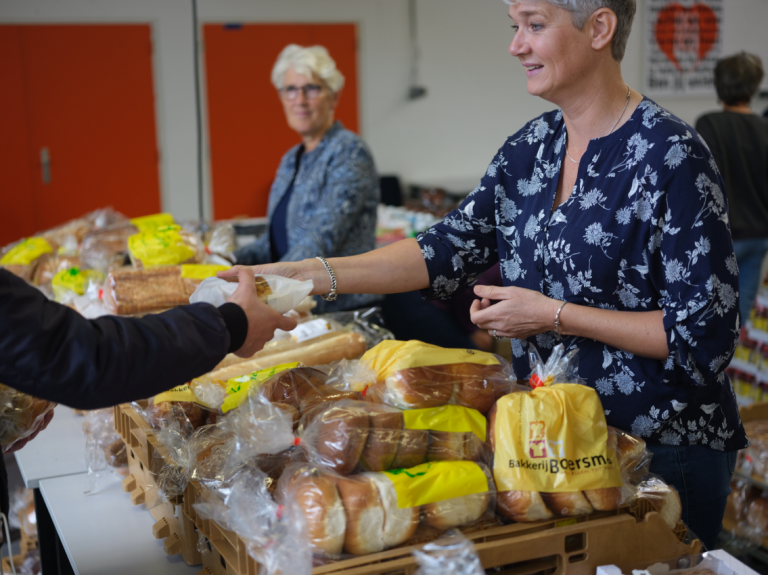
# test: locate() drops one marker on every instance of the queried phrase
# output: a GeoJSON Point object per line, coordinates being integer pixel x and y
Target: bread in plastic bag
{"type": "Point", "coordinates": [373, 511]}
{"type": "Point", "coordinates": [169, 245]}
{"type": "Point", "coordinates": [412, 375]}
{"type": "Point", "coordinates": [280, 293]}
{"type": "Point", "coordinates": [453, 553]}
{"type": "Point", "coordinates": [130, 291]}
{"type": "Point", "coordinates": [20, 415]}
{"type": "Point", "coordinates": [21, 258]}
{"type": "Point", "coordinates": [554, 453]}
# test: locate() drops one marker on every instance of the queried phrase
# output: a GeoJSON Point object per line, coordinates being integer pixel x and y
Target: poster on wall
{"type": "Point", "coordinates": [682, 46]}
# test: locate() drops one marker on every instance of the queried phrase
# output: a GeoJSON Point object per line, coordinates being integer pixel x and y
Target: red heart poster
{"type": "Point", "coordinates": [682, 46]}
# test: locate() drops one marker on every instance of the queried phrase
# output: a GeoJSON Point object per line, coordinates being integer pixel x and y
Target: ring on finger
{"type": "Point", "coordinates": [495, 335]}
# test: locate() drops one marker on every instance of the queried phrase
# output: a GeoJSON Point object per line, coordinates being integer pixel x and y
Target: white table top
{"type": "Point", "coordinates": [58, 450]}
{"type": "Point", "coordinates": [103, 533]}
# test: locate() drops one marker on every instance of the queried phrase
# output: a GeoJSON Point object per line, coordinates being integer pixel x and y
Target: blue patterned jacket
{"type": "Point", "coordinates": [332, 210]}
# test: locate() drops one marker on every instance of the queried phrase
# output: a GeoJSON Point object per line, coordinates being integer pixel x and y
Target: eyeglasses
{"type": "Point", "coordinates": [310, 91]}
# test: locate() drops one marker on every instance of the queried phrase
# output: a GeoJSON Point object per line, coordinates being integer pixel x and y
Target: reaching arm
{"type": "Point", "coordinates": [396, 268]}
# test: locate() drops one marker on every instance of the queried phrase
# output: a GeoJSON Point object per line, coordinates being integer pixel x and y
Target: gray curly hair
{"type": "Point", "coordinates": [581, 10]}
{"type": "Point", "coordinates": [307, 61]}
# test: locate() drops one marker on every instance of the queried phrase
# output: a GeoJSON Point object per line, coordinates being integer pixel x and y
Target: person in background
{"type": "Point", "coordinates": [738, 138]}
{"type": "Point", "coordinates": [323, 199]}
{"type": "Point", "coordinates": [609, 222]}
{"type": "Point", "coordinates": [50, 351]}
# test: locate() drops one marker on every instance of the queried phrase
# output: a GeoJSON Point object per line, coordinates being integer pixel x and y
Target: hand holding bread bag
{"type": "Point", "coordinates": [413, 375]}
{"type": "Point", "coordinates": [553, 453]}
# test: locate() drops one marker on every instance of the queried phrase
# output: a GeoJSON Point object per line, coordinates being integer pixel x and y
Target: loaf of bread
{"type": "Point", "coordinates": [322, 351]}
{"type": "Point", "coordinates": [522, 506]}
{"type": "Point", "coordinates": [77, 228]}
{"type": "Point", "coordinates": [292, 385]}
{"type": "Point", "coordinates": [365, 515]}
{"type": "Point", "coordinates": [326, 518]}
{"type": "Point", "coordinates": [571, 504]}
{"type": "Point", "coordinates": [100, 248]}
{"type": "Point", "coordinates": [128, 291]}
{"type": "Point", "coordinates": [386, 429]}
{"type": "Point", "coordinates": [663, 497]}
{"type": "Point", "coordinates": [50, 265]}
{"type": "Point", "coordinates": [337, 437]}
{"type": "Point", "coordinates": [458, 511]}
{"type": "Point", "coordinates": [19, 414]}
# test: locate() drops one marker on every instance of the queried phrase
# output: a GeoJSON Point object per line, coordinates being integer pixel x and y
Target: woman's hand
{"type": "Point", "coordinates": [310, 269]}
{"type": "Point", "coordinates": [519, 313]}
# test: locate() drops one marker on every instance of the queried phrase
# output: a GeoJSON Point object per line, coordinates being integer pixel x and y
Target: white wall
{"type": "Point", "coordinates": [476, 90]}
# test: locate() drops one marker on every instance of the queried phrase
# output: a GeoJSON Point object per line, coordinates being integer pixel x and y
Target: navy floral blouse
{"type": "Point", "coordinates": [646, 228]}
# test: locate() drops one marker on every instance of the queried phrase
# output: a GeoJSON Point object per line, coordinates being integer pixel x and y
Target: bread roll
{"type": "Point", "coordinates": [458, 510]}
{"type": "Point", "coordinates": [116, 454]}
{"type": "Point", "coordinates": [412, 450]}
{"type": "Point", "coordinates": [419, 387]}
{"type": "Point", "coordinates": [571, 504]}
{"type": "Point", "coordinates": [399, 524]}
{"type": "Point", "coordinates": [365, 515]}
{"type": "Point", "coordinates": [453, 446]}
{"type": "Point", "coordinates": [291, 385]}
{"type": "Point", "coordinates": [490, 438]}
{"type": "Point", "coordinates": [322, 507]}
{"type": "Point", "coordinates": [163, 413]}
{"type": "Point", "coordinates": [380, 449]}
{"type": "Point", "coordinates": [522, 506]}
{"type": "Point", "coordinates": [667, 504]}
{"type": "Point", "coordinates": [604, 499]}
{"type": "Point", "coordinates": [475, 386]}
{"type": "Point", "coordinates": [19, 414]}
{"type": "Point", "coordinates": [338, 437]}
{"type": "Point", "coordinates": [343, 346]}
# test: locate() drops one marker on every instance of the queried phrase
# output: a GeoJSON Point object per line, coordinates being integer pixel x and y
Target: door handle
{"type": "Point", "coordinates": [45, 165]}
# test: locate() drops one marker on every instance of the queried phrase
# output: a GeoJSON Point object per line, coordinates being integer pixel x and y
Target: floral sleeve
{"type": "Point", "coordinates": [462, 246]}
{"type": "Point", "coordinates": [692, 264]}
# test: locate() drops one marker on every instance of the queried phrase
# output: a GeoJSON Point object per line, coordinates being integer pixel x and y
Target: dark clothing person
{"type": "Point", "coordinates": [50, 351]}
{"type": "Point", "coordinates": [739, 144]}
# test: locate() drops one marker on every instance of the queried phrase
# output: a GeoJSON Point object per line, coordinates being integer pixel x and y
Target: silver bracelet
{"type": "Point", "coordinates": [557, 320]}
{"type": "Point", "coordinates": [331, 295]}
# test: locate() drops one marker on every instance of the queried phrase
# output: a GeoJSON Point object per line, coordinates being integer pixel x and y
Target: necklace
{"type": "Point", "coordinates": [616, 123]}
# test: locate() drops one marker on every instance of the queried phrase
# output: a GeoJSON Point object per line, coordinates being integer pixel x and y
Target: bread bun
{"type": "Point", "coordinates": [338, 436]}
{"type": "Point", "coordinates": [420, 387]}
{"type": "Point", "coordinates": [399, 524]}
{"type": "Point", "coordinates": [291, 385]}
{"type": "Point", "coordinates": [458, 511]}
{"type": "Point", "coordinates": [474, 385]}
{"type": "Point", "coordinates": [380, 449]}
{"type": "Point", "coordinates": [412, 450]}
{"type": "Point", "coordinates": [365, 515]}
{"type": "Point", "coordinates": [490, 438]}
{"type": "Point", "coordinates": [453, 446]}
{"type": "Point", "coordinates": [570, 504]}
{"type": "Point", "coordinates": [323, 510]}
{"type": "Point", "coordinates": [522, 506]}
{"type": "Point", "coordinates": [116, 454]}
{"type": "Point", "coordinates": [19, 414]}
{"type": "Point", "coordinates": [604, 499]}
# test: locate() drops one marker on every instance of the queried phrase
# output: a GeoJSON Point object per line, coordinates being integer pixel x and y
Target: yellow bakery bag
{"type": "Point", "coordinates": [552, 439]}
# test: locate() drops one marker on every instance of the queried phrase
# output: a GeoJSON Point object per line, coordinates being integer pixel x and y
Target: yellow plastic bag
{"type": "Point", "coordinates": [73, 281]}
{"type": "Point", "coordinates": [26, 251]}
{"type": "Point", "coordinates": [153, 222]}
{"type": "Point", "coordinates": [553, 439]}
{"type": "Point", "coordinates": [164, 246]}
{"type": "Point", "coordinates": [436, 481]}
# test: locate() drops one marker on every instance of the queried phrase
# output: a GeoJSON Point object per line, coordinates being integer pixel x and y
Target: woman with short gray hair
{"type": "Point", "coordinates": [323, 199]}
{"type": "Point", "coordinates": [609, 222]}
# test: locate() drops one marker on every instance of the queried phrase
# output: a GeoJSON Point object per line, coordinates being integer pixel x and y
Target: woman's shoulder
{"type": "Point", "coordinates": [542, 129]}
{"type": "Point", "coordinates": [663, 130]}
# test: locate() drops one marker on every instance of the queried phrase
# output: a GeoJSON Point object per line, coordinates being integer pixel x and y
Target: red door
{"type": "Point", "coordinates": [77, 124]}
{"type": "Point", "coordinates": [247, 130]}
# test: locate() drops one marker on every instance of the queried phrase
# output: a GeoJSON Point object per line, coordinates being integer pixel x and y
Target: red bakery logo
{"type": "Point", "coordinates": [537, 440]}
{"type": "Point", "coordinates": [686, 34]}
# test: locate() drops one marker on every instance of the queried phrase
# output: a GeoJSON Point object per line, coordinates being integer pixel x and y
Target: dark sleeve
{"type": "Point", "coordinates": [50, 351]}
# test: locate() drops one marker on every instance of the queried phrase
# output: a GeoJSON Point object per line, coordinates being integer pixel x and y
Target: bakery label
{"type": "Point", "coordinates": [390, 356]}
{"type": "Point", "coordinates": [153, 222]}
{"type": "Point", "coordinates": [200, 271]}
{"type": "Point", "coordinates": [160, 247]}
{"type": "Point", "coordinates": [238, 388]}
{"type": "Point", "coordinates": [455, 418]}
{"type": "Point", "coordinates": [436, 481]}
{"type": "Point", "coordinates": [553, 439]}
{"type": "Point", "coordinates": [26, 251]}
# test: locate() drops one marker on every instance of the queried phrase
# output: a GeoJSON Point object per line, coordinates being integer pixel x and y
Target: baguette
{"type": "Point", "coordinates": [129, 291]}
{"type": "Point", "coordinates": [348, 345]}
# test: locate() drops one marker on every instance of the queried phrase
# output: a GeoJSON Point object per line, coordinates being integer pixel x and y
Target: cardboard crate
{"type": "Point", "coordinates": [578, 545]}
{"type": "Point", "coordinates": [146, 457]}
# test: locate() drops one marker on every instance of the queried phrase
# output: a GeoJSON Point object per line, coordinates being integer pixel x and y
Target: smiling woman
{"type": "Point", "coordinates": [608, 218]}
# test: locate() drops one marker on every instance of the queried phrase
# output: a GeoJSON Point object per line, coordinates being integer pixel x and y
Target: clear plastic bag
{"type": "Point", "coordinates": [413, 375]}
{"type": "Point", "coordinates": [280, 293]}
{"type": "Point", "coordinates": [105, 452]}
{"type": "Point", "coordinates": [373, 511]}
{"type": "Point", "coordinates": [453, 553]}
{"type": "Point", "coordinates": [20, 415]}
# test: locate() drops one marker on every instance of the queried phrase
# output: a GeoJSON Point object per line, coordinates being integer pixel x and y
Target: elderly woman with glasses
{"type": "Point", "coordinates": [323, 199]}
{"type": "Point", "coordinates": [608, 218]}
